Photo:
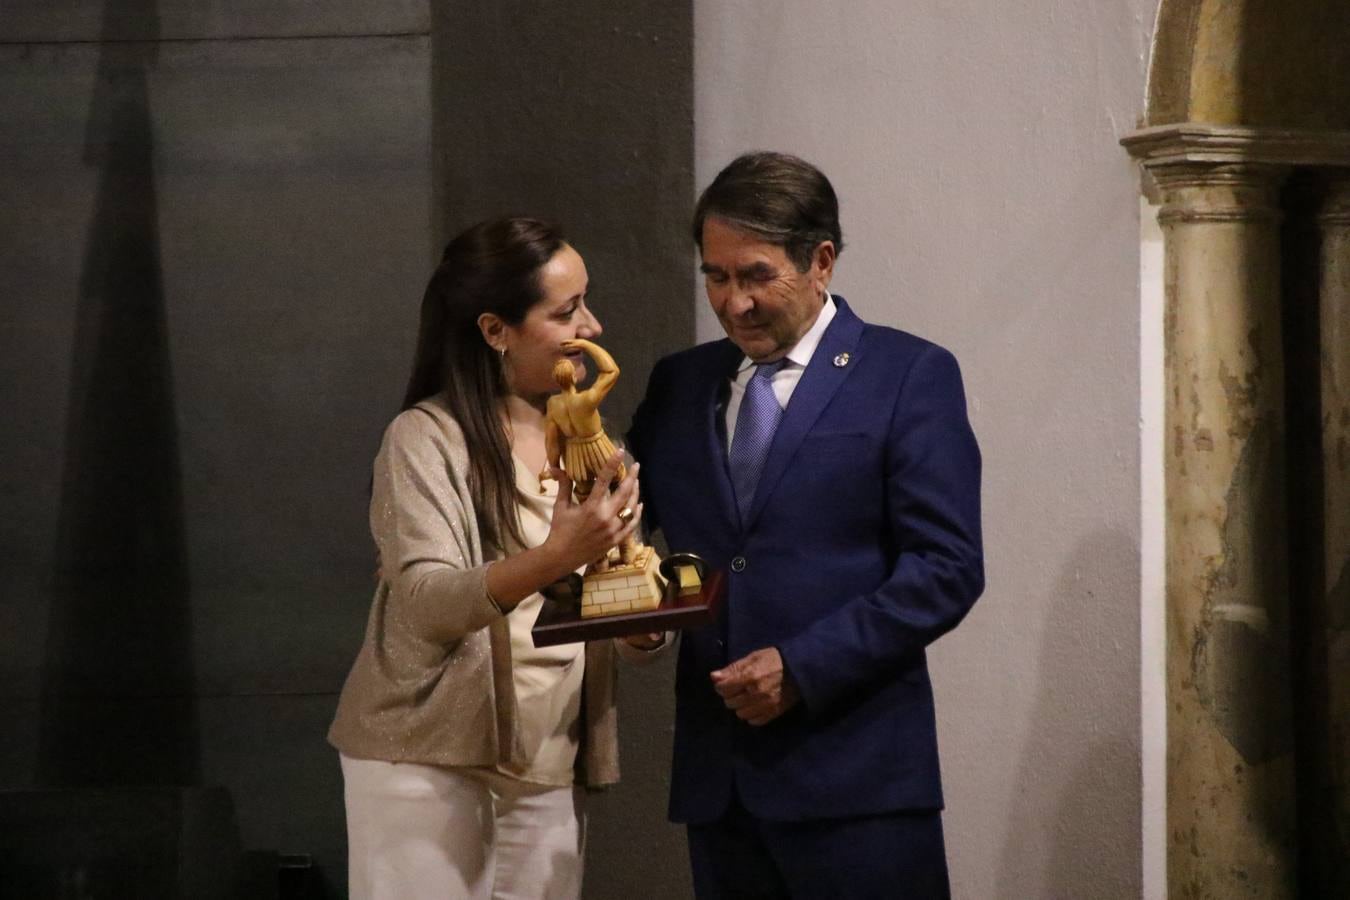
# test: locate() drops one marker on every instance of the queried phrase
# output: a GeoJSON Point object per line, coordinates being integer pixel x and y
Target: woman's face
{"type": "Point", "coordinates": [535, 345]}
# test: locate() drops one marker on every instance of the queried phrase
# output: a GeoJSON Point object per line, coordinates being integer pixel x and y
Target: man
{"type": "Point", "coordinates": [828, 466]}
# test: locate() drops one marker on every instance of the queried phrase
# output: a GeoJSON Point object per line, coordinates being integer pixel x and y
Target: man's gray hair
{"type": "Point", "coordinates": [775, 196]}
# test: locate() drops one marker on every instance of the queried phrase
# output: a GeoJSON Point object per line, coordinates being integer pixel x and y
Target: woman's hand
{"type": "Point", "coordinates": [580, 533]}
{"type": "Point", "coordinates": [583, 532]}
{"type": "Point", "coordinates": [645, 642]}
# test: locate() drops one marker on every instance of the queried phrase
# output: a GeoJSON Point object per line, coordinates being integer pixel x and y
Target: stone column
{"type": "Point", "coordinates": [1334, 614]}
{"type": "Point", "coordinates": [1230, 780]}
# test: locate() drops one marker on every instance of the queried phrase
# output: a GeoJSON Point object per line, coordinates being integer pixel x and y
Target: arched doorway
{"type": "Point", "coordinates": [1246, 148]}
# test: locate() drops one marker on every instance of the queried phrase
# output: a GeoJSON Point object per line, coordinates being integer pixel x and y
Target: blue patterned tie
{"type": "Point", "coordinates": [756, 422]}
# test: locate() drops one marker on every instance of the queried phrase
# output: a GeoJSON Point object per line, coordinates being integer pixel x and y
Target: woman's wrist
{"type": "Point", "coordinates": [511, 580]}
{"type": "Point", "coordinates": [551, 564]}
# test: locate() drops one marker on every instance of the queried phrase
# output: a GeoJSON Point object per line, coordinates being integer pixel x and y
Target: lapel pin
{"type": "Point", "coordinates": [841, 360]}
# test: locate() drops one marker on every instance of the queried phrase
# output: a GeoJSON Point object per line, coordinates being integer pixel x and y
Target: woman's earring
{"type": "Point", "coordinates": [502, 351]}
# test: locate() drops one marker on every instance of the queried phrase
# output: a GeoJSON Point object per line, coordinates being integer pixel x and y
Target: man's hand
{"type": "Point", "coordinates": [756, 688]}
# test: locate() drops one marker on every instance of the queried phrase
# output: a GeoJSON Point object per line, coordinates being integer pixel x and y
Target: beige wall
{"type": "Point", "coordinates": [987, 206]}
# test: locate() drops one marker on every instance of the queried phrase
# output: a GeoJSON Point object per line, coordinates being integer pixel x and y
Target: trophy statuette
{"type": "Point", "coordinates": [629, 590]}
{"type": "Point", "coordinates": [627, 578]}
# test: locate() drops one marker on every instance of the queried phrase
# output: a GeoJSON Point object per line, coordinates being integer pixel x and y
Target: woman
{"type": "Point", "coordinates": [465, 750]}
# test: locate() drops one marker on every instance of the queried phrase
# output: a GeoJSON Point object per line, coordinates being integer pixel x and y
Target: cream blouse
{"type": "Point", "coordinates": [547, 679]}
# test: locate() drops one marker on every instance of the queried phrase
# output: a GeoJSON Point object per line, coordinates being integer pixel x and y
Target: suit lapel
{"type": "Point", "coordinates": [710, 441]}
{"type": "Point", "coordinates": [817, 387]}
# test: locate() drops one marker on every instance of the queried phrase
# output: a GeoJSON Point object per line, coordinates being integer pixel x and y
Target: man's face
{"type": "Point", "coordinates": [763, 302]}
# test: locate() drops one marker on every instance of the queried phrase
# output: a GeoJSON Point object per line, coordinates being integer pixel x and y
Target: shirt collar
{"type": "Point", "coordinates": [801, 353]}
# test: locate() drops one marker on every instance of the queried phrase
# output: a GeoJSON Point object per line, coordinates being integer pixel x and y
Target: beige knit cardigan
{"type": "Point", "coordinates": [432, 681]}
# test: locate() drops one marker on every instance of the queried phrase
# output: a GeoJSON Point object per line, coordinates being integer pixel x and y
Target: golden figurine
{"type": "Point", "coordinates": [575, 441]}
{"type": "Point", "coordinates": [574, 417]}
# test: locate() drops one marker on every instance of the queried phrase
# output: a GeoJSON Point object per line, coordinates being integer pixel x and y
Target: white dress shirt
{"type": "Point", "coordinates": [785, 379]}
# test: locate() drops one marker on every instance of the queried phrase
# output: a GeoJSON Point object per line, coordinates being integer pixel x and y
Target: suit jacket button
{"type": "Point", "coordinates": [738, 564]}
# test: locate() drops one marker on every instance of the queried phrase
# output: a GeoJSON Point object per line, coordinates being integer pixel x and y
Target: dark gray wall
{"type": "Point", "coordinates": [215, 224]}
{"type": "Point", "coordinates": [583, 112]}
{"type": "Point", "coordinates": [218, 220]}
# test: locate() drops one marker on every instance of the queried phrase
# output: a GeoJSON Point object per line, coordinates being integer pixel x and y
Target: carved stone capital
{"type": "Point", "coordinates": [1335, 210]}
{"type": "Point", "coordinates": [1214, 173]}
{"type": "Point", "coordinates": [1192, 142]}
{"type": "Point", "coordinates": [1229, 192]}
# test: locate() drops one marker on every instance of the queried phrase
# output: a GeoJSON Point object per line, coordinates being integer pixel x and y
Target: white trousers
{"type": "Point", "coordinates": [419, 832]}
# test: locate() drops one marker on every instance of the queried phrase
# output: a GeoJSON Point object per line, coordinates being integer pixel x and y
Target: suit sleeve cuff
{"type": "Point", "coordinates": [813, 696]}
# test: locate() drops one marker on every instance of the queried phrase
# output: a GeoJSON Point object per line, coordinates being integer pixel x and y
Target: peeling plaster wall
{"type": "Point", "coordinates": [987, 206]}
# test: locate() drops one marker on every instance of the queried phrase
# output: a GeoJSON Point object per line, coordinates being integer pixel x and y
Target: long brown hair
{"type": "Point", "coordinates": [492, 267]}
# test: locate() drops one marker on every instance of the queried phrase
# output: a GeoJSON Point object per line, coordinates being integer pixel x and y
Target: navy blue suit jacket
{"type": "Point", "coordinates": [861, 547]}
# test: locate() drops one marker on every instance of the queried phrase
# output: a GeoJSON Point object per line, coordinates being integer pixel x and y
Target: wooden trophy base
{"type": "Point", "coordinates": [562, 621]}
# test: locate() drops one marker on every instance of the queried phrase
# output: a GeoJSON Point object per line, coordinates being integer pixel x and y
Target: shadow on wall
{"type": "Point", "coordinates": [1077, 793]}
{"type": "Point", "coordinates": [117, 705]}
